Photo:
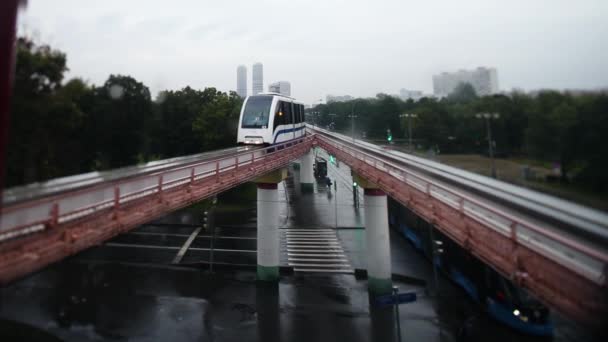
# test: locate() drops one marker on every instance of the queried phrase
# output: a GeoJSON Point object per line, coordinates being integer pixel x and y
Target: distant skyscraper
{"type": "Point", "coordinates": [258, 78]}
{"type": "Point", "coordinates": [281, 87]}
{"type": "Point", "coordinates": [241, 81]}
{"type": "Point", "coordinates": [483, 80]}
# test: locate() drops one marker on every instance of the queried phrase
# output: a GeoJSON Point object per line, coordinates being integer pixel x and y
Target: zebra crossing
{"type": "Point", "coordinates": [315, 251]}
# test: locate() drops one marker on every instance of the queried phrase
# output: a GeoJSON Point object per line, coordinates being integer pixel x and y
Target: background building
{"type": "Point", "coordinates": [406, 94]}
{"type": "Point", "coordinates": [281, 87]}
{"type": "Point", "coordinates": [339, 98]}
{"type": "Point", "coordinates": [483, 80]}
{"type": "Point", "coordinates": [241, 81]}
{"type": "Point", "coordinates": [258, 78]}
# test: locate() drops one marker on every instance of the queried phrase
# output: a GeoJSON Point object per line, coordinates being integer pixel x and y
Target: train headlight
{"type": "Point", "coordinates": [516, 312]}
{"type": "Point", "coordinates": [254, 140]}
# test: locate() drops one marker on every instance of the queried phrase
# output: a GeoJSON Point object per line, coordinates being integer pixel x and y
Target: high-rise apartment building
{"type": "Point", "coordinates": [241, 81]}
{"type": "Point", "coordinates": [483, 80]}
{"type": "Point", "coordinates": [257, 78]}
{"type": "Point", "coordinates": [281, 87]}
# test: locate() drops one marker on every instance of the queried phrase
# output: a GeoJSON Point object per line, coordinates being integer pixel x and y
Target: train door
{"type": "Point", "coordinates": [301, 120]}
{"type": "Point", "coordinates": [280, 121]}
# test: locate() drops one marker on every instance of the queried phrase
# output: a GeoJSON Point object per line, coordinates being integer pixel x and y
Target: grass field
{"type": "Point", "coordinates": [510, 170]}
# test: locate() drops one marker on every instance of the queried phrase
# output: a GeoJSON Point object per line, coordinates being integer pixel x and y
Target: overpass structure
{"type": "Point", "coordinates": [555, 249]}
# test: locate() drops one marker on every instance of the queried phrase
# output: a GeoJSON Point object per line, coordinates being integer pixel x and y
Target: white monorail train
{"type": "Point", "coordinates": [269, 119]}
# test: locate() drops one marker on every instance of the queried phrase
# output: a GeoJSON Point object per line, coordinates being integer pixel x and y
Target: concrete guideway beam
{"type": "Point", "coordinates": [61, 237]}
{"type": "Point", "coordinates": [554, 283]}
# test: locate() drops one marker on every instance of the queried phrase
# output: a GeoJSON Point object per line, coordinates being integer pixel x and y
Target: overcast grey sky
{"type": "Point", "coordinates": [324, 47]}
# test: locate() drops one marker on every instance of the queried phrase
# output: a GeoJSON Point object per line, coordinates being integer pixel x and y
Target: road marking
{"type": "Point", "coordinates": [313, 243]}
{"type": "Point", "coordinates": [319, 265]}
{"type": "Point", "coordinates": [339, 260]}
{"type": "Point", "coordinates": [315, 250]}
{"type": "Point", "coordinates": [314, 255]}
{"type": "Point", "coordinates": [316, 270]}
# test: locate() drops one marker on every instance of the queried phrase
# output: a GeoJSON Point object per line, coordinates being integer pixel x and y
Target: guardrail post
{"type": "Point", "coordinates": [430, 198]}
{"type": "Point", "coordinates": [159, 189]}
{"type": "Point", "coordinates": [515, 246]}
{"type": "Point", "coordinates": [217, 169]}
{"type": "Point", "coordinates": [513, 232]}
{"type": "Point", "coordinates": [116, 205]}
{"type": "Point", "coordinates": [192, 175]}
{"type": "Point", "coordinates": [236, 163]}
{"type": "Point", "coordinates": [116, 197]}
{"type": "Point", "coordinates": [54, 215]}
{"type": "Point", "coordinates": [465, 225]}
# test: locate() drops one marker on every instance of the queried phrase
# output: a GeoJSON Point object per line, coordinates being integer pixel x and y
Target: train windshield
{"type": "Point", "coordinates": [257, 112]}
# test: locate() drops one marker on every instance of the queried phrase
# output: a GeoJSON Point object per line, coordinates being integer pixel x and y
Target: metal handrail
{"type": "Point", "coordinates": [235, 160]}
{"type": "Point", "coordinates": [596, 254]}
{"type": "Point", "coordinates": [592, 222]}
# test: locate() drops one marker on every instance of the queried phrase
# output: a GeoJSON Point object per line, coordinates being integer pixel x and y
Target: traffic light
{"type": "Point", "coordinates": [389, 135]}
{"type": "Point", "coordinates": [354, 184]}
{"type": "Point", "coordinates": [332, 159]}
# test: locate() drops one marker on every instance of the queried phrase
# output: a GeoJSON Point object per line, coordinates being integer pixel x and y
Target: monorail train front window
{"type": "Point", "coordinates": [257, 112]}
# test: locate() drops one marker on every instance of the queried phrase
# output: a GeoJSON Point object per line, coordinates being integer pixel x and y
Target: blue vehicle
{"type": "Point", "coordinates": [502, 300]}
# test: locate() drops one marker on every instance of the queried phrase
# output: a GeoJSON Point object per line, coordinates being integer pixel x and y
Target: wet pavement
{"type": "Point", "coordinates": [129, 288]}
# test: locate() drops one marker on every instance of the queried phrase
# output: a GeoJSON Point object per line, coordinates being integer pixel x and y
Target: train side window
{"type": "Point", "coordinates": [301, 113]}
{"type": "Point", "coordinates": [279, 116]}
{"type": "Point", "coordinates": [288, 115]}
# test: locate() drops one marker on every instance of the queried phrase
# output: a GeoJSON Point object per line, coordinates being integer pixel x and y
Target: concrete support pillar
{"type": "Point", "coordinates": [268, 232]}
{"type": "Point", "coordinates": [306, 173]}
{"type": "Point", "coordinates": [378, 243]}
{"type": "Point", "coordinates": [268, 225]}
{"type": "Point", "coordinates": [377, 239]}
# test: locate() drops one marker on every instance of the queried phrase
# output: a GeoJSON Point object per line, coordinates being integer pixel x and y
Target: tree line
{"type": "Point", "coordinates": [62, 128]}
{"type": "Point", "coordinates": [562, 128]}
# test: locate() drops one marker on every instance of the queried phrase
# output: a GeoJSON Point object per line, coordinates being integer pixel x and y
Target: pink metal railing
{"type": "Point", "coordinates": [465, 204]}
{"type": "Point", "coordinates": [42, 213]}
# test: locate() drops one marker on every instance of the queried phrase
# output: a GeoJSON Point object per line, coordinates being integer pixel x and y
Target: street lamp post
{"type": "Point", "coordinates": [409, 126]}
{"type": "Point", "coordinates": [487, 117]}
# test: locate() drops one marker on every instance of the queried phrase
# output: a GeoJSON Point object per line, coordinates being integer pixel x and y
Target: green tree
{"type": "Point", "coordinates": [217, 122]}
{"type": "Point", "coordinates": [178, 110]}
{"type": "Point", "coordinates": [37, 120]}
{"type": "Point", "coordinates": [552, 130]}
{"type": "Point", "coordinates": [122, 107]}
{"type": "Point", "coordinates": [592, 147]}
{"type": "Point", "coordinates": [464, 92]}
